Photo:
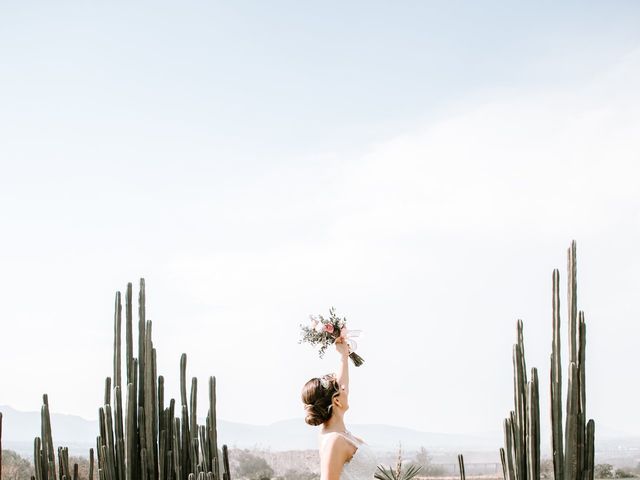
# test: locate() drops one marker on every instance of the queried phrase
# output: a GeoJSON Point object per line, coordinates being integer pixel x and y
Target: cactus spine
{"type": "Point", "coordinates": [572, 452]}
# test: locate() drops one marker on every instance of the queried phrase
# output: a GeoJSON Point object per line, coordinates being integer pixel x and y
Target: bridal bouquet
{"type": "Point", "coordinates": [325, 331]}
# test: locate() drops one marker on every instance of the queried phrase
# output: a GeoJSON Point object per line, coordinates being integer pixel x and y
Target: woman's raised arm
{"type": "Point", "coordinates": [342, 375]}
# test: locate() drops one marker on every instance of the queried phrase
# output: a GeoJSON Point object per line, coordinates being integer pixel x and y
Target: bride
{"type": "Point", "coordinates": [343, 456]}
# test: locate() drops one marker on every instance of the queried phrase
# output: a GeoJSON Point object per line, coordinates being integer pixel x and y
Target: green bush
{"type": "Point", "coordinates": [429, 469]}
{"type": "Point", "coordinates": [603, 470]}
{"type": "Point", "coordinates": [251, 467]}
{"type": "Point", "coordinates": [14, 467]}
{"type": "Point", "coordinates": [546, 468]}
{"type": "Point", "coordinates": [621, 473]}
{"type": "Point", "coordinates": [293, 474]}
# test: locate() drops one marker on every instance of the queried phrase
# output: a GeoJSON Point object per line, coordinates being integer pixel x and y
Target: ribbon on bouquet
{"type": "Point", "coordinates": [348, 336]}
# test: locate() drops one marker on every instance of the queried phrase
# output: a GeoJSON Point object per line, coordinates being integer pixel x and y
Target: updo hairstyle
{"type": "Point", "coordinates": [318, 399]}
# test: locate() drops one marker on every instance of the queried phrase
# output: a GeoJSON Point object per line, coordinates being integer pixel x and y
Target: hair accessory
{"type": "Point", "coordinates": [325, 380]}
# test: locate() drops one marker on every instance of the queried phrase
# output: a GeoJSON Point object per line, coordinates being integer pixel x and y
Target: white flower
{"type": "Point", "coordinates": [319, 327]}
{"type": "Point", "coordinates": [314, 321]}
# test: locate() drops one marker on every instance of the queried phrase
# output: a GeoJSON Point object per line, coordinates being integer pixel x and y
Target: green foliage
{"type": "Point", "coordinates": [622, 473]}
{"type": "Point", "coordinates": [14, 467]}
{"type": "Point", "coordinates": [323, 339]}
{"type": "Point", "coordinates": [388, 473]}
{"type": "Point", "coordinates": [326, 338]}
{"type": "Point", "coordinates": [397, 473]}
{"type": "Point", "coordinates": [293, 474]}
{"type": "Point", "coordinates": [603, 470]}
{"type": "Point", "coordinates": [251, 467]}
{"type": "Point", "coordinates": [428, 468]}
{"type": "Point", "coordinates": [546, 468]}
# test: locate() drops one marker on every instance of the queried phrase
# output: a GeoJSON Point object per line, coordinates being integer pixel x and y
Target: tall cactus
{"type": "Point", "coordinates": [43, 453]}
{"type": "Point", "coordinates": [0, 445]}
{"type": "Point", "coordinates": [572, 452]}
{"type": "Point", "coordinates": [557, 440]}
{"type": "Point", "coordinates": [579, 434]}
{"type": "Point", "coordinates": [151, 440]}
{"type": "Point", "coordinates": [461, 471]}
{"type": "Point", "coordinates": [521, 455]}
{"type": "Point", "coordinates": [140, 437]}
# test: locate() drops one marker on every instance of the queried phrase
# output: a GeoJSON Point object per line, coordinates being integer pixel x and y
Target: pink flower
{"type": "Point", "coordinates": [329, 327]}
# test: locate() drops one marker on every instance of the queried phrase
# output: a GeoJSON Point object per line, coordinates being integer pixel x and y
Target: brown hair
{"type": "Point", "coordinates": [318, 400]}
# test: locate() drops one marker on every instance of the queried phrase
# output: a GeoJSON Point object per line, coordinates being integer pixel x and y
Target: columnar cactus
{"type": "Point", "coordinates": [151, 440]}
{"type": "Point", "coordinates": [577, 463]}
{"type": "Point", "coordinates": [521, 454]}
{"type": "Point", "coordinates": [463, 476]}
{"type": "Point", "coordinates": [0, 445]}
{"type": "Point", "coordinates": [147, 440]}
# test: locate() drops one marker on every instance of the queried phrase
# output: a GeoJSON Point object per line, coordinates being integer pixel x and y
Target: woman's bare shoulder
{"type": "Point", "coordinates": [333, 441]}
{"type": "Point", "coordinates": [331, 438]}
{"type": "Point", "coordinates": [335, 451]}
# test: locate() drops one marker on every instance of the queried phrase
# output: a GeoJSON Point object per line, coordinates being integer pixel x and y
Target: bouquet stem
{"type": "Point", "coordinates": [356, 359]}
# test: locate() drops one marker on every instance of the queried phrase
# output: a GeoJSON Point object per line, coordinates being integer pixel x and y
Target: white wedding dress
{"type": "Point", "coordinates": [362, 465]}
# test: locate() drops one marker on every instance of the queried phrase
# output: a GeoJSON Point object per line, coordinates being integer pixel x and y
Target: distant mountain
{"type": "Point", "coordinates": [19, 429]}
{"type": "Point", "coordinates": [295, 434]}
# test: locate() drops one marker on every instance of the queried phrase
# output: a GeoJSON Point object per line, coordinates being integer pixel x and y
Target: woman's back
{"type": "Point", "coordinates": [362, 464]}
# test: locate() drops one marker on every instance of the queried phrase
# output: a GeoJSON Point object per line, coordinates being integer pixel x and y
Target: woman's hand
{"type": "Point", "coordinates": [343, 371]}
{"type": "Point", "coordinates": [342, 347]}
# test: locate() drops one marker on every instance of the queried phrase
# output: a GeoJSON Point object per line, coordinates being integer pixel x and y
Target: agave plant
{"type": "Point", "coordinates": [388, 473]}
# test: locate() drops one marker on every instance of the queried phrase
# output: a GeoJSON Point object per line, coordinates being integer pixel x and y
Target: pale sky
{"type": "Point", "coordinates": [421, 166]}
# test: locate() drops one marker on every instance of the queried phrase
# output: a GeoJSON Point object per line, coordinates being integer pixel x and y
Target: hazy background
{"type": "Point", "coordinates": [421, 166]}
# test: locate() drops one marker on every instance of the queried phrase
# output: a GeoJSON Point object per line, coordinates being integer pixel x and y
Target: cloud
{"type": "Point", "coordinates": [432, 241]}
{"type": "Point", "coordinates": [446, 230]}
{"type": "Point", "coordinates": [534, 160]}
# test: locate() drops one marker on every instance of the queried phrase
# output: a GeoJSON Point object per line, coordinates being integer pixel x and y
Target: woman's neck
{"type": "Point", "coordinates": [335, 424]}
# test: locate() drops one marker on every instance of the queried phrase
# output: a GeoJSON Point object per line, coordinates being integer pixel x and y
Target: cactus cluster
{"type": "Point", "coordinates": [147, 440]}
{"type": "Point", "coordinates": [44, 460]}
{"type": "Point", "coordinates": [521, 454]}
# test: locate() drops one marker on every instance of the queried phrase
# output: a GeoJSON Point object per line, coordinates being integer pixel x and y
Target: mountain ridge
{"type": "Point", "coordinates": [286, 434]}
{"type": "Point", "coordinates": [20, 428]}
